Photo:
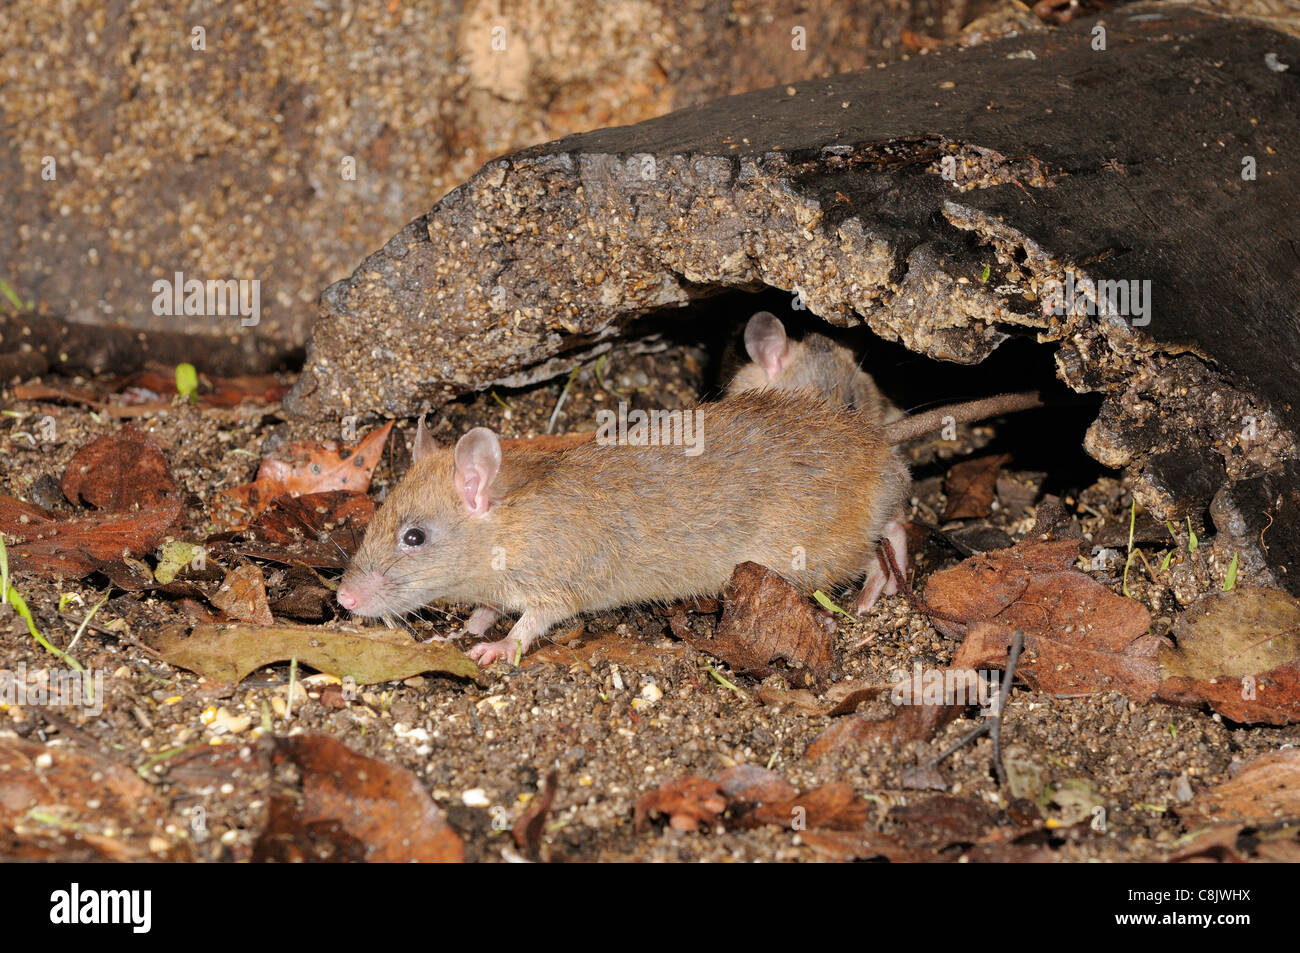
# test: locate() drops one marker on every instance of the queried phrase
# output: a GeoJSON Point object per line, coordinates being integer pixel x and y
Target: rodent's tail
{"type": "Point", "coordinates": [909, 428]}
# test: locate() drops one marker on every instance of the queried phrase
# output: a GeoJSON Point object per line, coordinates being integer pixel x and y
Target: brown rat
{"type": "Point", "coordinates": [815, 363]}
{"type": "Point", "coordinates": [786, 480]}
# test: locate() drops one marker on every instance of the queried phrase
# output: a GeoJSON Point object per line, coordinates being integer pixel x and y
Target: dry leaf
{"type": "Point", "coordinates": [1079, 636]}
{"type": "Point", "coordinates": [119, 472]}
{"type": "Point", "coordinates": [228, 653]}
{"type": "Point", "coordinates": [842, 698]}
{"type": "Point", "coordinates": [868, 845]}
{"type": "Point", "coordinates": [528, 830]}
{"type": "Point", "coordinates": [1239, 651]}
{"type": "Point", "coordinates": [320, 530]}
{"type": "Point", "coordinates": [1266, 792]}
{"type": "Point", "coordinates": [301, 469]}
{"type": "Point", "coordinates": [242, 595]}
{"type": "Point", "coordinates": [766, 619]}
{"type": "Point", "coordinates": [341, 805]}
{"type": "Point", "coordinates": [943, 820]}
{"type": "Point", "coordinates": [688, 802]}
{"type": "Point", "coordinates": [835, 805]}
{"type": "Point", "coordinates": [58, 803]}
{"type": "Point", "coordinates": [78, 547]}
{"type": "Point", "coordinates": [749, 782]}
{"type": "Point", "coordinates": [970, 486]}
{"type": "Point", "coordinates": [73, 395]}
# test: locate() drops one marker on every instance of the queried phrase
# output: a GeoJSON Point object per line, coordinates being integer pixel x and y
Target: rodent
{"type": "Point", "coordinates": [815, 363]}
{"type": "Point", "coordinates": [786, 479]}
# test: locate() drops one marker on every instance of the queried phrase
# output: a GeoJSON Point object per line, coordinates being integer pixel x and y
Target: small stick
{"type": "Point", "coordinates": [993, 723]}
{"type": "Point", "coordinates": [887, 550]}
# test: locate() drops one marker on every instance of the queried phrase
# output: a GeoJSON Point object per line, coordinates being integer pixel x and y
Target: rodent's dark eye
{"type": "Point", "coordinates": [413, 537]}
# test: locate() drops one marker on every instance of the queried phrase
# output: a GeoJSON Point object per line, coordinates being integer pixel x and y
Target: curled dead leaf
{"type": "Point", "coordinates": [1238, 652]}
{"type": "Point", "coordinates": [340, 805]}
{"type": "Point", "coordinates": [118, 472]}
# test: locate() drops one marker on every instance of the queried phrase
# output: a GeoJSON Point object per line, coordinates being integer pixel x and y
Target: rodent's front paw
{"type": "Point", "coordinates": [485, 653]}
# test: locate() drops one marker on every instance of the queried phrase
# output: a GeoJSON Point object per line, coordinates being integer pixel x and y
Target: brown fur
{"type": "Point", "coordinates": [820, 365]}
{"type": "Point", "coordinates": [593, 527]}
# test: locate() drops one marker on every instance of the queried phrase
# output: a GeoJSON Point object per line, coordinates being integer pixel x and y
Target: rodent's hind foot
{"type": "Point", "coordinates": [485, 653]}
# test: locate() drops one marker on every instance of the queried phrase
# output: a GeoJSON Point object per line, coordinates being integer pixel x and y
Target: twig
{"type": "Point", "coordinates": [555, 414]}
{"type": "Point", "coordinates": [993, 723]}
{"type": "Point", "coordinates": [887, 550]}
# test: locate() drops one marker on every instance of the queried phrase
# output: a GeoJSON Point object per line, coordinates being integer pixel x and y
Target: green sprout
{"type": "Point", "coordinates": [1231, 579]}
{"type": "Point", "coordinates": [12, 596]}
{"type": "Point", "coordinates": [717, 677]}
{"type": "Point", "coordinates": [12, 297]}
{"type": "Point", "coordinates": [825, 602]}
{"type": "Point", "coordinates": [187, 381]}
{"type": "Point", "coordinates": [86, 621]}
{"type": "Point", "coordinates": [1192, 541]}
{"type": "Point", "coordinates": [984, 276]}
{"type": "Point", "coordinates": [1132, 521]}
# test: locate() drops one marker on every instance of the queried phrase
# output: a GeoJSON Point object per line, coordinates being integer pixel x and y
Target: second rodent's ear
{"type": "Point", "coordinates": [478, 460]}
{"type": "Point", "coordinates": [767, 344]}
{"type": "Point", "coordinates": [423, 447]}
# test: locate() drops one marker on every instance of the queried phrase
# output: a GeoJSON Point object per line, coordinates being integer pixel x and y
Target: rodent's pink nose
{"type": "Point", "coordinates": [355, 593]}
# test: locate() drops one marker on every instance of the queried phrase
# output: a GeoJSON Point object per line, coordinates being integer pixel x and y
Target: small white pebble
{"type": "Point", "coordinates": [475, 797]}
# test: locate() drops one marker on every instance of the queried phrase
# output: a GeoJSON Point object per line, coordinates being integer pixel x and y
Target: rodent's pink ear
{"type": "Point", "coordinates": [478, 460]}
{"type": "Point", "coordinates": [767, 344]}
{"type": "Point", "coordinates": [423, 448]}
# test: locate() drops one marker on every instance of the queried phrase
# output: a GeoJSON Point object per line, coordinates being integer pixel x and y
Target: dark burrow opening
{"type": "Point", "coordinates": [673, 358]}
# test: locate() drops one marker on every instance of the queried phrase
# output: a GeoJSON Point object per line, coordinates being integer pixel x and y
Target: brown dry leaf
{"type": "Point", "coordinates": [765, 619]}
{"type": "Point", "coordinates": [119, 472]}
{"type": "Point", "coordinates": [16, 515]}
{"type": "Point", "coordinates": [528, 830]}
{"type": "Point", "coordinates": [227, 653]}
{"type": "Point", "coordinates": [580, 647]}
{"type": "Point", "coordinates": [341, 805]}
{"type": "Point", "coordinates": [835, 805]}
{"type": "Point", "coordinates": [242, 595]}
{"type": "Point", "coordinates": [842, 698]}
{"type": "Point", "coordinates": [868, 845]}
{"type": "Point", "coordinates": [79, 547]}
{"type": "Point", "coordinates": [1212, 845]}
{"type": "Point", "coordinates": [321, 530]}
{"type": "Point", "coordinates": [970, 486]}
{"type": "Point", "coordinates": [213, 391]}
{"type": "Point", "coordinates": [919, 41]}
{"type": "Point", "coordinates": [57, 803]}
{"type": "Point", "coordinates": [688, 802]}
{"type": "Point", "coordinates": [1266, 792]}
{"type": "Point", "coordinates": [749, 782]}
{"type": "Point", "coordinates": [942, 820]}
{"type": "Point", "coordinates": [1079, 636]}
{"type": "Point", "coordinates": [909, 723]}
{"type": "Point", "coordinates": [303, 468]}
{"type": "Point", "coordinates": [73, 395]}
{"type": "Point", "coordinates": [1238, 651]}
